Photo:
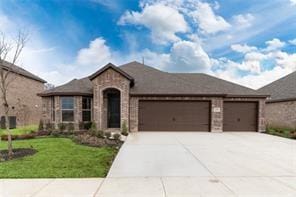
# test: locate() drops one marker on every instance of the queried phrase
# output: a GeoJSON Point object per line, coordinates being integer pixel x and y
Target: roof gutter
{"type": "Point", "coordinates": [199, 95]}
{"type": "Point", "coordinates": [64, 94]}
{"type": "Point", "coordinates": [281, 100]}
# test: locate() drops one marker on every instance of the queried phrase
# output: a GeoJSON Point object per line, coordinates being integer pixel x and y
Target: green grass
{"type": "Point", "coordinates": [21, 130]}
{"type": "Point", "coordinates": [57, 158]}
{"type": "Point", "coordinates": [282, 132]}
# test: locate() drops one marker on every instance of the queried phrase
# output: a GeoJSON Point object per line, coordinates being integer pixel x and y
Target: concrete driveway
{"type": "Point", "coordinates": [203, 164]}
{"type": "Point", "coordinates": [182, 165]}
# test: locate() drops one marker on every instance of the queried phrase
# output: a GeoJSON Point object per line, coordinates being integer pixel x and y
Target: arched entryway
{"type": "Point", "coordinates": [112, 107]}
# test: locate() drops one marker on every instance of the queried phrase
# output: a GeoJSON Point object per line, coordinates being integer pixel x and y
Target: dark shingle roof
{"type": "Point", "coordinates": [75, 87]}
{"type": "Point", "coordinates": [18, 70]}
{"type": "Point", "coordinates": [282, 89]}
{"type": "Point", "coordinates": [150, 81]}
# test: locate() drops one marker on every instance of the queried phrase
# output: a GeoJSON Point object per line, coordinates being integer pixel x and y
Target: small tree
{"type": "Point", "coordinates": [8, 73]}
{"type": "Point", "coordinates": [124, 129]}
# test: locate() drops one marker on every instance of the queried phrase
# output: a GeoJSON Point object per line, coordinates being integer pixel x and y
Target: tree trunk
{"type": "Point", "coordinates": [9, 141]}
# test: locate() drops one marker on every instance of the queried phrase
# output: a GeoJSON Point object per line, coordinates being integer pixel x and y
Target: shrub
{"type": "Point", "coordinates": [108, 134]}
{"type": "Point", "coordinates": [40, 127]}
{"type": "Point", "coordinates": [81, 125]}
{"type": "Point", "coordinates": [87, 125]}
{"type": "Point", "coordinates": [26, 136]}
{"type": "Point", "coordinates": [116, 136]}
{"type": "Point", "coordinates": [5, 137]}
{"type": "Point", "coordinates": [18, 137]}
{"type": "Point", "coordinates": [43, 133]}
{"type": "Point", "coordinates": [70, 127]}
{"type": "Point", "coordinates": [56, 133]}
{"type": "Point", "coordinates": [62, 126]}
{"type": "Point", "coordinates": [124, 129]}
{"type": "Point", "coordinates": [49, 126]}
{"type": "Point", "coordinates": [100, 134]}
{"type": "Point", "coordinates": [93, 129]}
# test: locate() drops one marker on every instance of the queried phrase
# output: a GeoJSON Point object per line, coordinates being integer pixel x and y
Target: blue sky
{"type": "Point", "coordinates": [248, 42]}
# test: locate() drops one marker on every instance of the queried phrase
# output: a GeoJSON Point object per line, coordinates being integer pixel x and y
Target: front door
{"type": "Point", "coordinates": [113, 110]}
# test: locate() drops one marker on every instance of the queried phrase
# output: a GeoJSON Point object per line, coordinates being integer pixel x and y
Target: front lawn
{"type": "Point", "coordinates": [21, 130]}
{"type": "Point", "coordinates": [282, 132]}
{"type": "Point", "coordinates": [57, 158]}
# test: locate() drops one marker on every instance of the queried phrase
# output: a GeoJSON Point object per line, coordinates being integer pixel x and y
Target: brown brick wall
{"type": "Point", "coordinates": [110, 79]}
{"type": "Point", "coordinates": [23, 100]}
{"type": "Point", "coordinates": [281, 114]}
{"type": "Point", "coordinates": [47, 111]}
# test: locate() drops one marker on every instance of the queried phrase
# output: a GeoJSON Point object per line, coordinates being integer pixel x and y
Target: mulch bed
{"type": "Point", "coordinates": [89, 140]}
{"type": "Point", "coordinates": [18, 153]}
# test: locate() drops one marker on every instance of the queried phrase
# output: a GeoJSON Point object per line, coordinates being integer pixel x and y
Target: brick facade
{"type": "Point", "coordinates": [23, 100]}
{"type": "Point", "coordinates": [54, 115]}
{"type": "Point", "coordinates": [129, 104]}
{"type": "Point", "coordinates": [281, 114]}
{"type": "Point", "coordinates": [107, 80]}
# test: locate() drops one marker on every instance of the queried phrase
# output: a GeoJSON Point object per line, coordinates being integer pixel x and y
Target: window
{"type": "Point", "coordinates": [52, 109]}
{"type": "Point", "coordinates": [86, 109]}
{"type": "Point", "coordinates": [67, 109]}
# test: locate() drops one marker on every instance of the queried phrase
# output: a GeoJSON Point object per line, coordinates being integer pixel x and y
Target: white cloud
{"type": "Point", "coordinates": [274, 44]}
{"type": "Point", "coordinates": [293, 2]}
{"type": "Point", "coordinates": [293, 42]}
{"type": "Point", "coordinates": [243, 20]}
{"type": "Point", "coordinates": [285, 60]}
{"type": "Point", "coordinates": [278, 62]}
{"type": "Point", "coordinates": [242, 48]}
{"type": "Point", "coordinates": [97, 53]}
{"type": "Point", "coordinates": [189, 56]}
{"type": "Point", "coordinates": [163, 21]}
{"type": "Point", "coordinates": [5, 23]}
{"type": "Point", "coordinates": [207, 20]}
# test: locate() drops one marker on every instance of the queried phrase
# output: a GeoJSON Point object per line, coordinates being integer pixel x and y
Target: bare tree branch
{"type": "Point", "coordinates": [8, 72]}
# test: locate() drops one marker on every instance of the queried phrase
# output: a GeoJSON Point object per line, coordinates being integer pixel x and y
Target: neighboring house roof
{"type": "Point", "coordinates": [283, 89]}
{"type": "Point", "coordinates": [18, 70]}
{"type": "Point", "coordinates": [150, 81]}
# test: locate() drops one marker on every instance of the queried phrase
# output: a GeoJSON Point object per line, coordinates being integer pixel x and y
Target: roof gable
{"type": "Point", "coordinates": [115, 68]}
{"type": "Point", "coordinates": [20, 71]}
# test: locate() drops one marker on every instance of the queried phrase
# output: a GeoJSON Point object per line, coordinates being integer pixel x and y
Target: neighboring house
{"type": "Point", "coordinates": [281, 106]}
{"type": "Point", "coordinates": [147, 99]}
{"type": "Point", "coordinates": [25, 105]}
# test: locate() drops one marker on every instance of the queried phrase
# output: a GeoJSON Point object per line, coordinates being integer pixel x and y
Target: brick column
{"type": "Point", "coordinates": [77, 111]}
{"type": "Point", "coordinates": [134, 108]}
{"type": "Point", "coordinates": [217, 115]}
{"type": "Point", "coordinates": [261, 116]}
{"type": "Point", "coordinates": [58, 113]}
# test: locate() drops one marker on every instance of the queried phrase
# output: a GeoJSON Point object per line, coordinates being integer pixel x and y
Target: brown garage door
{"type": "Point", "coordinates": [240, 116]}
{"type": "Point", "coordinates": [174, 116]}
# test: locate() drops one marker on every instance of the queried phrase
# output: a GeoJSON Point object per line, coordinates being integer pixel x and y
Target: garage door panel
{"type": "Point", "coordinates": [240, 116]}
{"type": "Point", "coordinates": [174, 116]}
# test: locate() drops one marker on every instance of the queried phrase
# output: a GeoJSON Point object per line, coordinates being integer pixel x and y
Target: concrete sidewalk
{"type": "Point", "coordinates": [151, 187]}
{"type": "Point", "coordinates": [49, 187]}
